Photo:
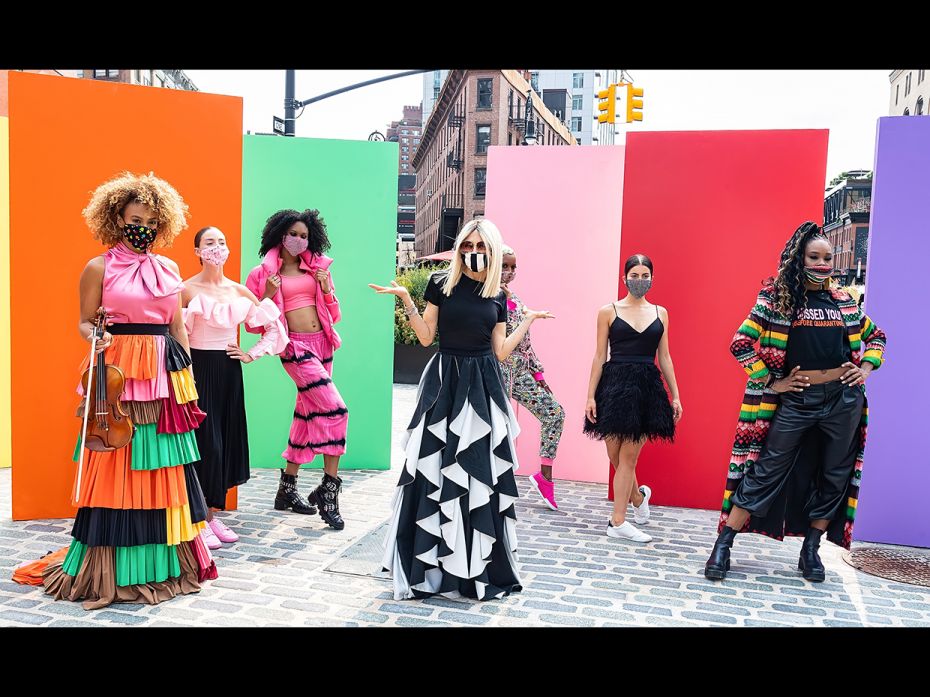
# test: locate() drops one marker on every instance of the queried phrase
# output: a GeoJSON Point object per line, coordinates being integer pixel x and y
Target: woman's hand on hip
{"type": "Point", "coordinates": [855, 375]}
{"type": "Point", "coordinates": [792, 382]}
{"type": "Point", "coordinates": [234, 351]}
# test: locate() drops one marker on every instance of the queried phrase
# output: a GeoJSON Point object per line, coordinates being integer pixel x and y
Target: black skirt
{"type": "Point", "coordinates": [222, 438]}
{"type": "Point", "coordinates": [632, 404]}
{"type": "Point", "coordinates": [453, 528]}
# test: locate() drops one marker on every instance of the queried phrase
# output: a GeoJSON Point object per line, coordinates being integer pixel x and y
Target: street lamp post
{"type": "Point", "coordinates": [529, 135]}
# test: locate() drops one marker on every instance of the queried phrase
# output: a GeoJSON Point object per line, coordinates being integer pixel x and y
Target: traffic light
{"type": "Point", "coordinates": [634, 103]}
{"type": "Point", "coordinates": [608, 105]}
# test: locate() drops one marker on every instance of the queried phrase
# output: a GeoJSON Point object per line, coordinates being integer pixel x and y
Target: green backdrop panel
{"type": "Point", "coordinates": [354, 186]}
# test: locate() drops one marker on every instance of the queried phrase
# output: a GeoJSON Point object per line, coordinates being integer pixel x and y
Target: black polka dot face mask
{"type": "Point", "coordinates": [139, 237]}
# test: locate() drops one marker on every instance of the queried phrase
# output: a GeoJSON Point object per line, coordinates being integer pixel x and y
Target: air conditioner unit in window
{"type": "Point", "coordinates": [429, 192]}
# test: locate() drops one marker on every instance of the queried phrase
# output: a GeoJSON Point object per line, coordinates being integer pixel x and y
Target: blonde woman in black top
{"type": "Point", "coordinates": [453, 530]}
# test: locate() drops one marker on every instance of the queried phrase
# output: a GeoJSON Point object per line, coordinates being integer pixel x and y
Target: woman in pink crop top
{"type": "Point", "coordinates": [214, 306]}
{"type": "Point", "coordinates": [294, 274]}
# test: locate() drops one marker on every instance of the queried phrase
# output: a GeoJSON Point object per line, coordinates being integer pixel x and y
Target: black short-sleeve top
{"type": "Point", "coordinates": [466, 320]}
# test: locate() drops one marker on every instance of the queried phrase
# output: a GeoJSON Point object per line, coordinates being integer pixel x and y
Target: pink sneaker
{"type": "Point", "coordinates": [209, 538]}
{"type": "Point", "coordinates": [222, 532]}
{"type": "Point", "coordinates": [546, 489]}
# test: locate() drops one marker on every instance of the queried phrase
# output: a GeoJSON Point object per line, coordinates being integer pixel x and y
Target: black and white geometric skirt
{"type": "Point", "coordinates": [453, 527]}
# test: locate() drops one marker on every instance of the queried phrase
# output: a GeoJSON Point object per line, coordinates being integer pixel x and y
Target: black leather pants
{"type": "Point", "coordinates": [836, 410]}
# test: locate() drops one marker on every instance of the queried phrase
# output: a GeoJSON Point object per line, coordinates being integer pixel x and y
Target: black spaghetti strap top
{"type": "Point", "coordinates": [630, 346]}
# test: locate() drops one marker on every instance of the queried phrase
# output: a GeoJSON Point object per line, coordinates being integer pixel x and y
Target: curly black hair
{"type": "Point", "coordinates": [789, 282]}
{"type": "Point", "coordinates": [278, 224]}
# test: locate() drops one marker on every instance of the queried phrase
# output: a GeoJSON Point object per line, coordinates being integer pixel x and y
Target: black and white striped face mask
{"type": "Point", "coordinates": [476, 261]}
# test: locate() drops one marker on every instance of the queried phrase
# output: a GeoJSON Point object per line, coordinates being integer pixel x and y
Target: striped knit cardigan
{"type": "Point", "coordinates": [770, 328]}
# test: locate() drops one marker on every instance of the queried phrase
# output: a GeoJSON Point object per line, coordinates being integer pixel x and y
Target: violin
{"type": "Point", "coordinates": [106, 424]}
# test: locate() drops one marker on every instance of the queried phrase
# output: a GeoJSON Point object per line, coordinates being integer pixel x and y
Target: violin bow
{"type": "Point", "coordinates": [87, 391]}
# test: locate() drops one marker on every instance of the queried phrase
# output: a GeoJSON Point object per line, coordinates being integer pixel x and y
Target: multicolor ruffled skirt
{"type": "Point", "coordinates": [141, 508]}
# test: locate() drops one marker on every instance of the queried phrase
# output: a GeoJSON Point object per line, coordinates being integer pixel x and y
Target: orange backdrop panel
{"type": "Point", "coordinates": [66, 137]}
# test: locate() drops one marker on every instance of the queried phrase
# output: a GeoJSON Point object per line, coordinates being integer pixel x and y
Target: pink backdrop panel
{"type": "Point", "coordinates": [560, 209]}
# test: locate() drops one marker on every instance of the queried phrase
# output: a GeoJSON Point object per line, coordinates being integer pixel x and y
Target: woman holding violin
{"type": "Point", "coordinates": [140, 506]}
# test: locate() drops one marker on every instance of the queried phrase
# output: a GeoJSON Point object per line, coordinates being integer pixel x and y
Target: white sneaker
{"type": "Point", "coordinates": [626, 531]}
{"type": "Point", "coordinates": [641, 512]}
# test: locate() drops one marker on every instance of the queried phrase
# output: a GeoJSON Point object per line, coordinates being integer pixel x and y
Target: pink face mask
{"type": "Point", "coordinates": [215, 255]}
{"type": "Point", "coordinates": [295, 244]}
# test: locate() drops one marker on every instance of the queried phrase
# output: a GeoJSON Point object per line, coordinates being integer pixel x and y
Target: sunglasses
{"type": "Point", "coordinates": [468, 246]}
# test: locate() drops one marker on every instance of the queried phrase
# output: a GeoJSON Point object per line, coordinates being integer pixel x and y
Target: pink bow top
{"type": "Point", "coordinates": [139, 288]}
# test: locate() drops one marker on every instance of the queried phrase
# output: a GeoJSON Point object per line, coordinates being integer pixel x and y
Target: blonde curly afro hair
{"type": "Point", "coordinates": [111, 198]}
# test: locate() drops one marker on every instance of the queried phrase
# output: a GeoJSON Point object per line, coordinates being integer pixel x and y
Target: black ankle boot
{"type": "Point", "coordinates": [288, 496]}
{"type": "Point", "coordinates": [719, 563]}
{"type": "Point", "coordinates": [326, 496]}
{"type": "Point", "coordinates": [809, 562]}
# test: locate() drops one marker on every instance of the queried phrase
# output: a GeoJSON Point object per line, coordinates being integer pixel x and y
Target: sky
{"type": "Point", "coordinates": [847, 102]}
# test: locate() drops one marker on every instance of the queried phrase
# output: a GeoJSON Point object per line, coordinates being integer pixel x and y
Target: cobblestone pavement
{"type": "Point", "coordinates": [574, 575]}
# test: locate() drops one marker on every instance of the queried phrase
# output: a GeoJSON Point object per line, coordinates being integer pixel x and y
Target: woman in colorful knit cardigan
{"type": "Point", "coordinates": [796, 462]}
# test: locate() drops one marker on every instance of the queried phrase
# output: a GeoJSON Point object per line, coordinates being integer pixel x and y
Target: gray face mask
{"type": "Point", "coordinates": [638, 287]}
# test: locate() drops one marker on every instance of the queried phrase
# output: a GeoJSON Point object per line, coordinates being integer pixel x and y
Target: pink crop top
{"type": "Point", "coordinates": [298, 291]}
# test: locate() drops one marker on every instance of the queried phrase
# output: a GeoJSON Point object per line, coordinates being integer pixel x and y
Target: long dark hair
{"type": "Point", "coordinates": [278, 224]}
{"type": "Point", "coordinates": [637, 260]}
{"type": "Point", "coordinates": [789, 281]}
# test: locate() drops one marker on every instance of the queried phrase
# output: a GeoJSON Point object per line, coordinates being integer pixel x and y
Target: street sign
{"type": "Point", "coordinates": [278, 126]}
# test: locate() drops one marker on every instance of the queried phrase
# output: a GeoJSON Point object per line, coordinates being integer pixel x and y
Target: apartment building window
{"type": "Point", "coordinates": [577, 80]}
{"type": "Point", "coordinates": [907, 112]}
{"type": "Point", "coordinates": [416, 141]}
{"type": "Point", "coordinates": [920, 76]}
{"type": "Point", "coordinates": [897, 89]}
{"type": "Point", "coordinates": [534, 81]}
{"type": "Point", "coordinates": [405, 132]}
{"type": "Point", "coordinates": [405, 140]}
{"type": "Point", "coordinates": [481, 175]}
{"type": "Point", "coordinates": [404, 166]}
{"type": "Point", "coordinates": [510, 139]}
{"type": "Point", "coordinates": [405, 148]}
{"type": "Point", "coordinates": [577, 102]}
{"type": "Point", "coordinates": [920, 106]}
{"type": "Point", "coordinates": [405, 157]}
{"type": "Point", "coordinates": [484, 92]}
{"type": "Point", "coordinates": [907, 84]}
{"type": "Point", "coordinates": [576, 123]}
{"type": "Point", "coordinates": [483, 138]}
{"type": "Point", "coordinates": [106, 74]}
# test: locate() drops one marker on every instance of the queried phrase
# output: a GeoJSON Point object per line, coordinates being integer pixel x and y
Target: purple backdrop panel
{"type": "Point", "coordinates": [896, 476]}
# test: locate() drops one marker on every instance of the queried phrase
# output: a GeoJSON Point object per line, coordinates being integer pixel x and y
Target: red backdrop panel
{"type": "Point", "coordinates": [712, 209]}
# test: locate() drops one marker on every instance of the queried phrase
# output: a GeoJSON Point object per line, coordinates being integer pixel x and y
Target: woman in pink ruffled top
{"type": "Point", "coordinates": [214, 306]}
